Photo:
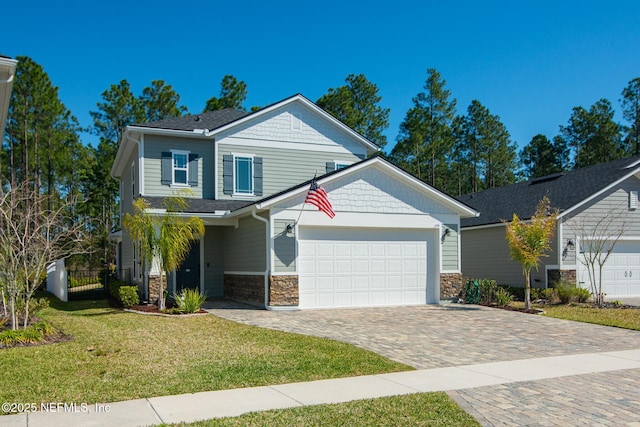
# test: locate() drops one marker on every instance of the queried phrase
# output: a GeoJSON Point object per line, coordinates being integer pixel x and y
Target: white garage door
{"type": "Point", "coordinates": [342, 267]}
{"type": "Point", "coordinates": [621, 273]}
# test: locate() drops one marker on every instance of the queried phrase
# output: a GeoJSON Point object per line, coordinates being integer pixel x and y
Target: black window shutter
{"type": "Point", "coordinates": [166, 168]}
{"type": "Point", "coordinates": [257, 176]}
{"type": "Point", "coordinates": [227, 174]}
{"type": "Point", "coordinates": [331, 166]}
{"type": "Point", "coordinates": [193, 170]}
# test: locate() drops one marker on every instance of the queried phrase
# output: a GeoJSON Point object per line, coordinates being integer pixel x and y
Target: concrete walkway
{"type": "Point", "coordinates": [458, 380]}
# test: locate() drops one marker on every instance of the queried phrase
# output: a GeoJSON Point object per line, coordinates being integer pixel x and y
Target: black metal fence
{"type": "Point", "coordinates": [92, 284]}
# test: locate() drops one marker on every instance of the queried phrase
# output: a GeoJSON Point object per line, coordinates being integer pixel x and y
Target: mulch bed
{"type": "Point", "coordinates": [153, 310]}
{"type": "Point", "coordinates": [510, 308]}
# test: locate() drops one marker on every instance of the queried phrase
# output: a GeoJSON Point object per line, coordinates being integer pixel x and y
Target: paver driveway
{"type": "Point", "coordinates": [448, 335]}
{"type": "Point", "coordinates": [452, 335]}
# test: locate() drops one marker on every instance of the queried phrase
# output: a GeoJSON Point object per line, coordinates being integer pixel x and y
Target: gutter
{"type": "Point", "coordinates": [268, 257]}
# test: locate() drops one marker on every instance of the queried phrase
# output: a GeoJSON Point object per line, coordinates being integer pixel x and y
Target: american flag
{"type": "Point", "coordinates": [318, 197]}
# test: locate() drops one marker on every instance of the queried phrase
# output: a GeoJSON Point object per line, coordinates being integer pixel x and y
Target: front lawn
{"type": "Point", "coordinates": [115, 355]}
{"type": "Point", "coordinates": [627, 318]}
{"type": "Point", "coordinates": [424, 409]}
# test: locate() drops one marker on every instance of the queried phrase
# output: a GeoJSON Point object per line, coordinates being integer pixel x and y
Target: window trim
{"type": "Point", "coordinates": [173, 169]}
{"type": "Point", "coordinates": [235, 175]}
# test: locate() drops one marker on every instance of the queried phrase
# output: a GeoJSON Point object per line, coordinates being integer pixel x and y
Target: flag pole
{"type": "Point", "coordinates": [303, 203]}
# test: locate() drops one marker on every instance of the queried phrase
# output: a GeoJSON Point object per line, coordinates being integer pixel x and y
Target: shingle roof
{"type": "Point", "coordinates": [564, 190]}
{"type": "Point", "coordinates": [209, 120]}
{"type": "Point", "coordinates": [202, 205]}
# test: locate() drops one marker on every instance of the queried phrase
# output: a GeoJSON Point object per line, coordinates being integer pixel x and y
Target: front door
{"type": "Point", "coordinates": [188, 274]}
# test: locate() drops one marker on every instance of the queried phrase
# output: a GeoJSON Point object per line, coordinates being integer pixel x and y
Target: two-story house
{"type": "Point", "coordinates": [393, 241]}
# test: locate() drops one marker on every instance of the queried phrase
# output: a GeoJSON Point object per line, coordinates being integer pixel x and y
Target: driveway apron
{"type": "Point", "coordinates": [452, 335]}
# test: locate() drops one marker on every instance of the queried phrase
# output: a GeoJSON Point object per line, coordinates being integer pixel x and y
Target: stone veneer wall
{"type": "Point", "coordinates": [450, 285]}
{"type": "Point", "coordinates": [154, 287]}
{"type": "Point", "coordinates": [554, 275]}
{"type": "Point", "coordinates": [283, 290]}
{"type": "Point", "coordinates": [249, 288]}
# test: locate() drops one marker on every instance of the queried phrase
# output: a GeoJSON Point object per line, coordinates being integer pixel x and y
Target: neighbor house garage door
{"type": "Point", "coordinates": [621, 273]}
{"type": "Point", "coordinates": [340, 267]}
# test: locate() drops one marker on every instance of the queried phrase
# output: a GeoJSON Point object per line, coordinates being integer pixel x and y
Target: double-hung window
{"type": "Point", "coordinates": [243, 166]}
{"type": "Point", "coordinates": [180, 167]}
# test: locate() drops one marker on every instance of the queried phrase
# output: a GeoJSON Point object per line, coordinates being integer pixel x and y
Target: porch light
{"type": "Point", "coordinates": [446, 232]}
{"type": "Point", "coordinates": [570, 245]}
{"type": "Point", "coordinates": [289, 229]}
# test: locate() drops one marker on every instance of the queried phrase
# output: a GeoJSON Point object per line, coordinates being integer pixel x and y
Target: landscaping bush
{"type": "Point", "coordinates": [582, 294]}
{"type": "Point", "coordinates": [488, 290]}
{"type": "Point", "coordinates": [128, 296]}
{"type": "Point", "coordinates": [503, 297]}
{"type": "Point", "coordinates": [33, 334]}
{"type": "Point", "coordinates": [550, 294]}
{"type": "Point", "coordinates": [189, 300]}
{"type": "Point", "coordinates": [565, 291]}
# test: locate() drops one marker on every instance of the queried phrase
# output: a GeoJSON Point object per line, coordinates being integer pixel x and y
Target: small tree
{"type": "Point", "coordinates": [598, 236]}
{"type": "Point", "coordinates": [529, 241]}
{"type": "Point", "coordinates": [165, 238]}
{"type": "Point", "coordinates": [34, 232]}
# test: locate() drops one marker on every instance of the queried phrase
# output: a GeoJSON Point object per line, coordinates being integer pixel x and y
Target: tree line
{"type": "Point", "coordinates": [456, 153]}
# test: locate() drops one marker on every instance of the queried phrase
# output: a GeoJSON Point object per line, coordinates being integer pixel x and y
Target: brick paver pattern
{"type": "Point", "coordinates": [453, 335]}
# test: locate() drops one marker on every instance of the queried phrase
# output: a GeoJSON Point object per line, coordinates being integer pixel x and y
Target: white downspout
{"type": "Point", "coordinates": [268, 258]}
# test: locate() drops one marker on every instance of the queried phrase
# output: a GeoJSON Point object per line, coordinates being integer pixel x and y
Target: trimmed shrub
{"type": "Point", "coordinates": [128, 296]}
{"type": "Point", "coordinates": [189, 300]}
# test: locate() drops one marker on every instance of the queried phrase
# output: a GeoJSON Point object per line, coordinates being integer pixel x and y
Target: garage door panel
{"type": "Point", "coordinates": [621, 272]}
{"type": "Point", "coordinates": [346, 267]}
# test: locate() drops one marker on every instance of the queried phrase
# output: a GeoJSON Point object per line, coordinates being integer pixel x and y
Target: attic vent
{"type": "Point", "coordinates": [546, 178]}
{"type": "Point", "coordinates": [633, 200]}
{"type": "Point", "coordinates": [196, 118]}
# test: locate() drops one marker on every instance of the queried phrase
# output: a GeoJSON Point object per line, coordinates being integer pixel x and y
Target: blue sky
{"type": "Point", "coordinates": [528, 62]}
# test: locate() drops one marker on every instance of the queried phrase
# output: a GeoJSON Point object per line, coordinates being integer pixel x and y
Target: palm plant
{"type": "Point", "coordinates": [163, 238]}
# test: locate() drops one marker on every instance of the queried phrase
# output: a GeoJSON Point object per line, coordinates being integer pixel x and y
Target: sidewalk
{"type": "Point", "coordinates": [224, 403]}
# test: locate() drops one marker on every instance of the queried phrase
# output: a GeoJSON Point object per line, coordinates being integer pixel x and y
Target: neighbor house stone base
{"type": "Point", "coordinates": [154, 287]}
{"type": "Point", "coordinates": [244, 288]}
{"type": "Point", "coordinates": [554, 276]}
{"type": "Point", "coordinates": [283, 290]}
{"type": "Point", "coordinates": [450, 285]}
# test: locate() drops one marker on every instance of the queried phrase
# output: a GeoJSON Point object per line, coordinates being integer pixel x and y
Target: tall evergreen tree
{"type": "Point", "coordinates": [160, 101]}
{"type": "Point", "coordinates": [593, 135]}
{"type": "Point", "coordinates": [356, 104]}
{"type": "Point", "coordinates": [491, 153]}
{"type": "Point", "coordinates": [631, 112]}
{"type": "Point", "coordinates": [426, 140]}
{"type": "Point", "coordinates": [542, 157]}
{"type": "Point", "coordinates": [42, 135]}
{"type": "Point", "coordinates": [233, 93]}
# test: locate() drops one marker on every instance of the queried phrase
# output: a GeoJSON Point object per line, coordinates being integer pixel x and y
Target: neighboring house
{"type": "Point", "coordinates": [393, 240]}
{"type": "Point", "coordinates": [7, 74]}
{"type": "Point", "coordinates": [587, 199]}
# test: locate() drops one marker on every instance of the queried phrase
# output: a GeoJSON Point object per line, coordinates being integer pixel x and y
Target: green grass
{"type": "Point", "coordinates": [424, 409]}
{"type": "Point", "coordinates": [627, 318]}
{"type": "Point", "coordinates": [115, 355]}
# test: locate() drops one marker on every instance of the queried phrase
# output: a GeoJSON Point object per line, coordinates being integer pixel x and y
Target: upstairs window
{"type": "Point", "coordinates": [243, 175]}
{"type": "Point", "coordinates": [180, 167]}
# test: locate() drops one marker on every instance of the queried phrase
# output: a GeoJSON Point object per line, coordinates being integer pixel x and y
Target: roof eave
{"type": "Point", "coordinates": [577, 206]}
